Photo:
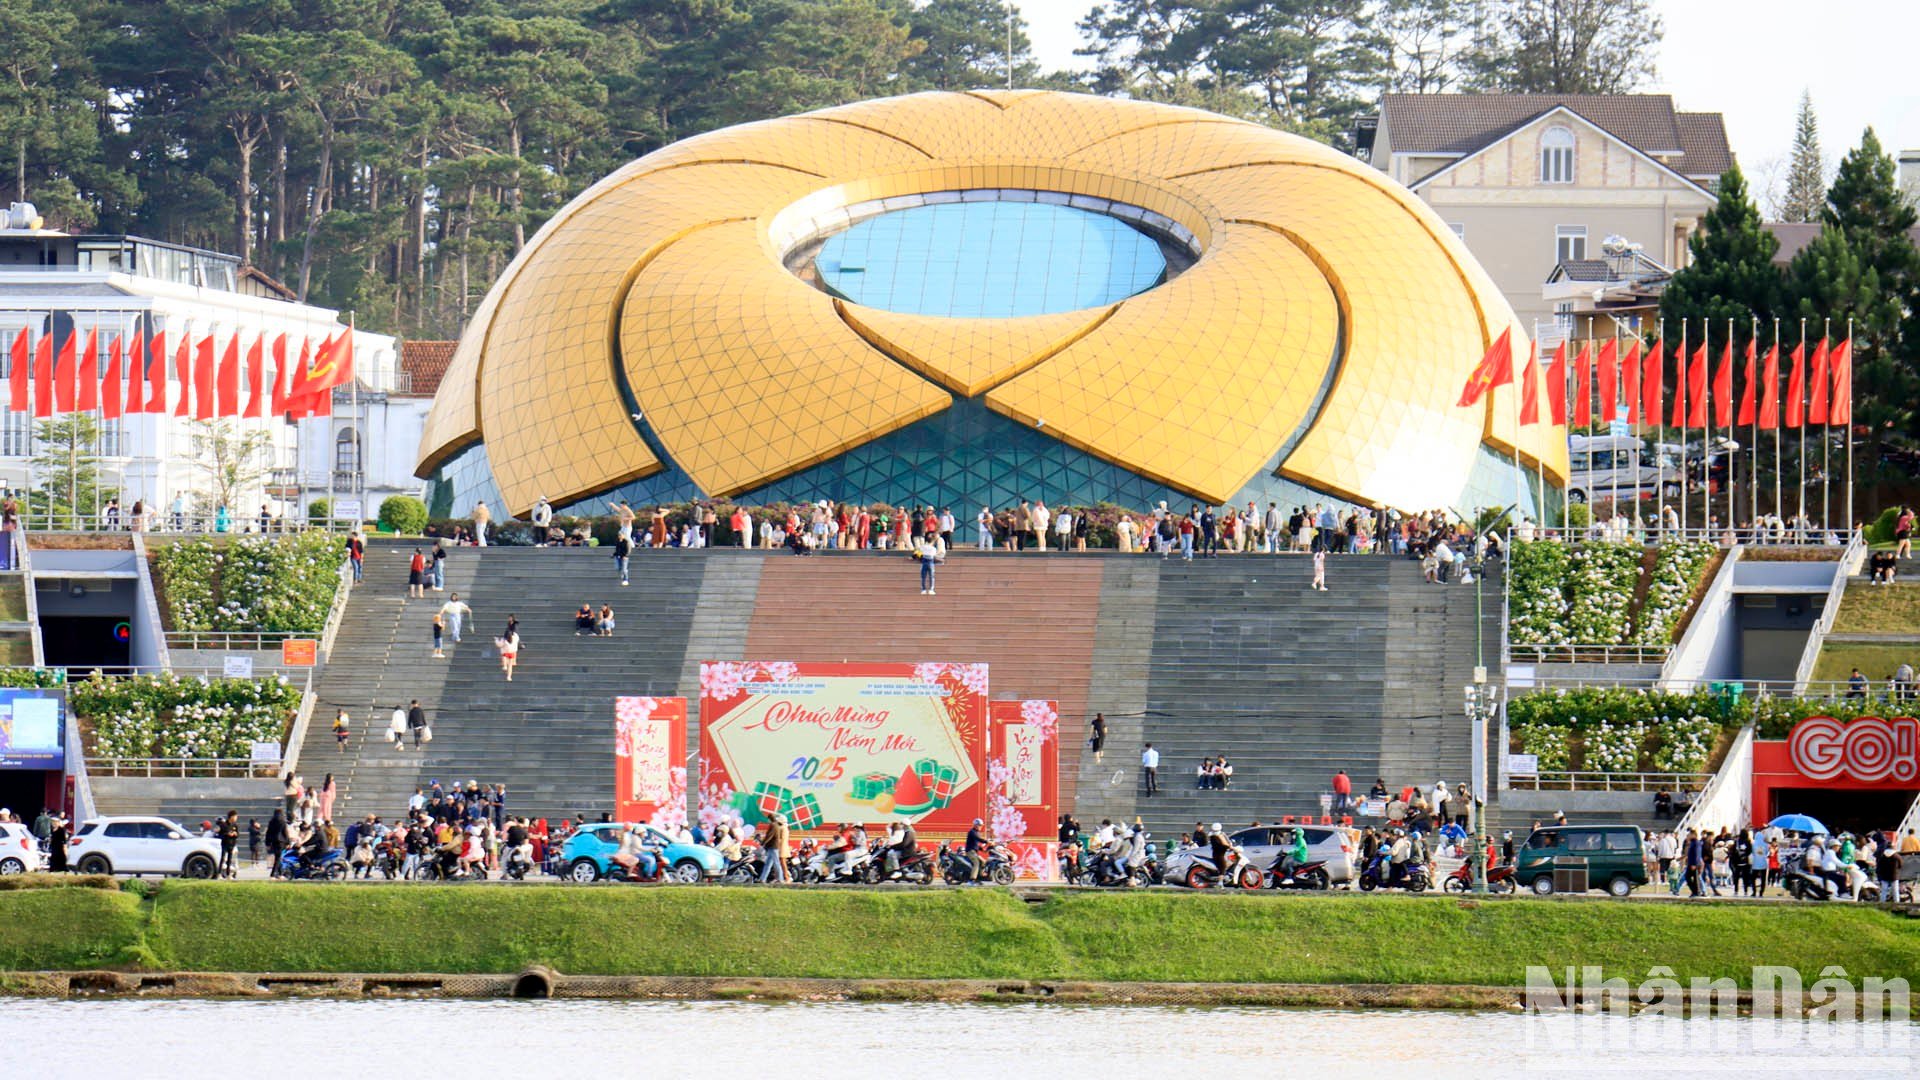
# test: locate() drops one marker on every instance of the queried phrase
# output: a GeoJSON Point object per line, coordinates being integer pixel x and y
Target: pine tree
{"type": "Point", "coordinates": [1806, 193]}
{"type": "Point", "coordinates": [1862, 276]}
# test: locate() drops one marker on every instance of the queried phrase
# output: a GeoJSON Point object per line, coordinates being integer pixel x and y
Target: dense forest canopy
{"type": "Point", "coordinates": [390, 156]}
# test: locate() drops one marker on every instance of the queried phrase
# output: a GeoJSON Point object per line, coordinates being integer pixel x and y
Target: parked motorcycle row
{"type": "Point", "coordinates": [1195, 868]}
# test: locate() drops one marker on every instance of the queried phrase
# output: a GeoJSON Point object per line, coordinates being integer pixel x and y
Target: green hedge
{"type": "Point", "coordinates": [403, 514]}
{"type": "Point", "coordinates": [278, 583]}
{"type": "Point", "coordinates": [166, 716]}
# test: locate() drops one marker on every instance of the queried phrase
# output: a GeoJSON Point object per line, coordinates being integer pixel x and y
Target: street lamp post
{"type": "Point", "coordinates": [1482, 706]}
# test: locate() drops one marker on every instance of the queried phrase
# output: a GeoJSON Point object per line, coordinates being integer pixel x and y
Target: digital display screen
{"type": "Point", "coordinates": [33, 729]}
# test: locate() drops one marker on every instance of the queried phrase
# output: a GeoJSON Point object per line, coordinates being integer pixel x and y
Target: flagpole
{"type": "Point", "coordinates": [1779, 509]}
{"type": "Point", "coordinates": [1686, 467]}
{"type": "Point", "coordinates": [1826, 440]}
{"type": "Point", "coordinates": [1613, 474]}
{"type": "Point", "coordinates": [1800, 515]}
{"type": "Point", "coordinates": [1847, 432]}
{"type": "Point", "coordinates": [360, 423]}
{"type": "Point", "coordinates": [1659, 430]}
{"type": "Point", "coordinates": [1733, 459]}
{"type": "Point", "coordinates": [1753, 391]}
{"type": "Point", "coordinates": [1539, 460]}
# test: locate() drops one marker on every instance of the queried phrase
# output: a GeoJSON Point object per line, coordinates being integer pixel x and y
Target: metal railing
{"type": "Point", "coordinates": [1849, 565]}
{"type": "Point", "coordinates": [235, 640]}
{"type": "Point", "coordinates": [1910, 823]}
{"type": "Point", "coordinates": [1653, 535]}
{"type": "Point", "coordinates": [1726, 798]}
{"type": "Point", "coordinates": [337, 611]}
{"type": "Point", "coordinates": [183, 768]}
{"type": "Point", "coordinates": [1569, 780]}
{"type": "Point", "coordinates": [165, 521]}
{"type": "Point", "coordinates": [1588, 654]}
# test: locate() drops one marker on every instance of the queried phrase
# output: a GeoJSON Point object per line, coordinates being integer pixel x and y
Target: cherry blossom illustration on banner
{"type": "Point", "coordinates": [629, 714]}
{"type": "Point", "coordinates": [1042, 717]}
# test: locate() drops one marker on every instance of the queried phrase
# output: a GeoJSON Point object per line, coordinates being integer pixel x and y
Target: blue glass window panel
{"type": "Point", "coordinates": [989, 260]}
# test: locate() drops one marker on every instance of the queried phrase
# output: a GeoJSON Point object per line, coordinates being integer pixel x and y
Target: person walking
{"type": "Point", "coordinates": [229, 833]}
{"type": "Point", "coordinates": [439, 636]}
{"type": "Point", "coordinates": [57, 837]}
{"type": "Point", "coordinates": [509, 645]}
{"type": "Point", "coordinates": [453, 611]}
{"type": "Point", "coordinates": [623, 550]}
{"type": "Point", "coordinates": [357, 555]}
{"type": "Point", "coordinates": [276, 840]}
{"type": "Point", "coordinates": [417, 574]}
{"type": "Point", "coordinates": [1150, 766]}
{"type": "Point", "coordinates": [1097, 740]}
{"type": "Point", "coordinates": [1319, 565]}
{"type": "Point", "coordinates": [439, 567]}
{"type": "Point", "coordinates": [253, 840]}
{"type": "Point", "coordinates": [775, 844]}
{"type": "Point", "coordinates": [341, 722]}
{"type": "Point", "coordinates": [397, 728]}
{"type": "Point", "coordinates": [1342, 792]}
{"type": "Point", "coordinates": [417, 724]}
{"type": "Point", "coordinates": [481, 516]}
{"type": "Point", "coordinates": [290, 793]}
{"type": "Point", "coordinates": [328, 789]}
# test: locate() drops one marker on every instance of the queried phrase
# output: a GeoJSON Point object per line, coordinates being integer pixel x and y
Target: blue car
{"type": "Point", "coordinates": [587, 854]}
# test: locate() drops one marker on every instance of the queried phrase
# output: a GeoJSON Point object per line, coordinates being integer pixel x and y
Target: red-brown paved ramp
{"type": "Point", "coordinates": [1030, 619]}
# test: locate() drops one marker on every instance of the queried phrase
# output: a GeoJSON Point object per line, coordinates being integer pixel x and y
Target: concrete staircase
{"type": "Point", "coordinates": [548, 734]}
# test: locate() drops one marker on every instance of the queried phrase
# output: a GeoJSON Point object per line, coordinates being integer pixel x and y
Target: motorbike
{"type": "Point", "coordinates": [1307, 875]}
{"type": "Point", "coordinates": [1109, 871]}
{"type": "Point", "coordinates": [330, 865]}
{"type": "Point", "coordinates": [1379, 875]}
{"type": "Point", "coordinates": [957, 869]}
{"type": "Point", "coordinates": [915, 869]}
{"type": "Point", "coordinates": [744, 870]}
{"type": "Point", "coordinates": [386, 860]}
{"type": "Point", "coordinates": [849, 866]}
{"type": "Point", "coordinates": [1803, 884]}
{"type": "Point", "coordinates": [1499, 879]}
{"type": "Point", "coordinates": [519, 863]}
{"type": "Point", "coordinates": [1203, 874]}
{"type": "Point", "coordinates": [616, 872]}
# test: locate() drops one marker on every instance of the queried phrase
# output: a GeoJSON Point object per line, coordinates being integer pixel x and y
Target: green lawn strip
{"type": "Point", "coordinates": [1879, 609]}
{"type": "Point", "coordinates": [13, 598]}
{"type": "Point", "coordinates": [213, 926]}
{"type": "Point", "coordinates": [1415, 940]}
{"type": "Point", "coordinates": [44, 929]}
{"type": "Point", "coordinates": [1877, 662]}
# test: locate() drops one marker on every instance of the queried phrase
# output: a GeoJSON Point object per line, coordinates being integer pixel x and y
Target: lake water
{"type": "Point", "coordinates": [511, 1039]}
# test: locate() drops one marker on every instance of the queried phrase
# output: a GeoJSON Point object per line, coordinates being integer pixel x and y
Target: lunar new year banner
{"type": "Point", "coordinates": [1023, 783]}
{"type": "Point", "coordinates": [826, 743]}
{"type": "Point", "coordinates": [650, 761]}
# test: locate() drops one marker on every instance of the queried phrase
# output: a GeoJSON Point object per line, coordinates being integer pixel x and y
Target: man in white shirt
{"type": "Point", "coordinates": [452, 612]}
{"type": "Point", "coordinates": [542, 521]}
{"type": "Point", "coordinates": [984, 522]}
{"type": "Point", "coordinates": [1150, 764]}
{"type": "Point", "coordinates": [1040, 516]}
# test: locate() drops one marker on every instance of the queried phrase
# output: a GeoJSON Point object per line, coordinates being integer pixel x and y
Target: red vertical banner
{"type": "Point", "coordinates": [156, 366]}
{"type": "Point", "coordinates": [226, 380]}
{"type": "Point", "coordinates": [19, 370]}
{"type": "Point", "coordinates": [43, 375]}
{"type": "Point", "coordinates": [1609, 366]}
{"type": "Point", "coordinates": [1747, 395]}
{"type": "Point", "coordinates": [1557, 385]}
{"type": "Point", "coordinates": [203, 365]}
{"type": "Point", "coordinates": [1723, 388]}
{"type": "Point", "coordinates": [110, 383]}
{"type": "Point", "coordinates": [183, 374]}
{"type": "Point", "coordinates": [256, 374]}
{"type": "Point", "coordinates": [650, 761]}
{"type": "Point", "coordinates": [823, 743]}
{"type": "Point", "coordinates": [279, 400]}
{"type": "Point", "coordinates": [1817, 386]}
{"type": "Point", "coordinates": [1797, 387]}
{"type": "Point", "coordinates": [1023, 784]}
{"type": "Point", "coordinates": [86, 394]}
{"type": "Point", "coordinates": [1770, 390]}
{"type": "Point", "coordinates": [1840, 408]}
{"type": "Point", "coordinates": [134, 370]}
{"type": "Point", "coordinates": [1583, 386]}
{"type": "Point", "coordinates": [1630, 380]}
{"type": "Point", "coordinates": [63, 371]}
{"type": "Point", "coordinates": [1529, 391]}
{"type": "Point", "coordinates": [1697, 389]}
{"type": "Point", "coordinates": [1653, 380]}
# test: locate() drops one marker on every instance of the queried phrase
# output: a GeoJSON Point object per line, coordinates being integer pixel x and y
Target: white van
{"type": "Point", "coordinates": [1606, 466]}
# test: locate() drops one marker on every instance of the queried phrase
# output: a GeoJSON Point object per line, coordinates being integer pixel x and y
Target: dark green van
{"type": "Point", "coordinates": [1616, 857]}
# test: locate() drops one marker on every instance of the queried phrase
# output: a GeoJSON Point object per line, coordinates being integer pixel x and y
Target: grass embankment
{"type": "Point", "coordinates": [1877, 662]}
{"type": "Point", "coordinates": [960, 934]}
{"type": "Point", "coordinates": [1879, 609]}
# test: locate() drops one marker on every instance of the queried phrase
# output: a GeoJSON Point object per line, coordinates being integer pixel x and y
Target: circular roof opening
{"type": "Point", "coordinates": [993, 254]}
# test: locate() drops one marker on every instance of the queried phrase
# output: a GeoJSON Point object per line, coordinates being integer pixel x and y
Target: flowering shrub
{"type": "Point", "coordinates": [1615, 748]}
{"type": "Point", "coordinates": [1537, 580]}
{"type": "Point", "coordinates": [1676, 575]}
{"type": "Point", "coordinates": [1600, 586]}
{"type": "Point", "coordinates": [1685, 744]}
{"type": "Point", "coordinates": [250, 583]}
{"type": "Point", "coordinates": [1548, 742]}
{"type": "Point", "coordinates": [165, 716]}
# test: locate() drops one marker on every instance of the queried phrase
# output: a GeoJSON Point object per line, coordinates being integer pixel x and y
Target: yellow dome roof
{"type": "Point", "coordinates": [1328, 310]}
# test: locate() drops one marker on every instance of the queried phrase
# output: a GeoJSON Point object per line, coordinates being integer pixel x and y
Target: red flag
{"type": "Point", "coordinates": [256, 372]}
{"type": "Point", "coordinates": [183, 374]}
{"type": "Point", "coordinates": [19, 363]}
{"type": "Point", "coordinates": [1840, 410]}
{"type": "Point", "coordinates": [226, 380]}
{"type": "Point", "coordinates": [1583, 386]}
{"type": "Point", "coordinates": [1630, 380]}
{"type": "Point", "coordinates": [203, 365]}
{"type": "Point", "coordinates": [279, 401]}
{"type": "Point", "coordinates": [1770, 390]}
{"type": "Point", "coordinates": [43, 376]}
{"type": "Point", "coordinates": [87, 395]}
{"type": "Point", "coordinates": [1817, 386]}
{"type": "Point", "coordinates": [110, 384]}
{"type": "Point", "coordinates": [136, 349]}
{"type": "Point", "coordinates": [1746, 395]}
{"type": "Point", "coordinates": [297, 380]}
{"type": "Point", "coordinates": [1608, 375]}
{"type": "Point", "coordinates": [1723, 388]}
{"type": "Point", "coordinates": [157, 373]}
{"type": "Point", "coordinates": [1494, 369]}
{"type": "Point", "coordinates": [1652, 383]}
{"type": "Point", "coordinates": [1557, 385]}
{"type": "Point", "coordinates": [1697, 389]}
{"type": "Point", "coordinates": [1529, 392]}
{"type": "Point", "coordinates": [63, 375]}
{"type": "Point", "coordinates": [1797, 386]}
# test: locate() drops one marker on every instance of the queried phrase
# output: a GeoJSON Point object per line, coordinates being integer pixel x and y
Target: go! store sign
{"type": "Point", "coordinates": [1869, 749]}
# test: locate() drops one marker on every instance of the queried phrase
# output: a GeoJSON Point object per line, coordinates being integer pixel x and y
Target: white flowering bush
{"type": "Point", "coordinates": [1686, 743]}
{"type": "Point", "coordinates": [1600, 585]}
{"type": "Point", "coordinates": [1547, 741]}
{"type": "Point", "coordinates": [1615, 747]}
{"type": "Point", "coordinates": [166, 716]}
{"type": "Point", "coordinates": [1676, 575]}
{"type": "Point", "coordinates": [1538, 602]}
{"type": "Point", "coordinates": [284, 583]}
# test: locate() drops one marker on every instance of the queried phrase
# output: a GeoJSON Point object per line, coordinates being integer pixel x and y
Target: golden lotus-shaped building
{"type": "Point", "coordinates": [965, 299]}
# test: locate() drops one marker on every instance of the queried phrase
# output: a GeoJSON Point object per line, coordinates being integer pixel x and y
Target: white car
{"type": "Point", "coordinates": [19, 851]}
{"type": "Point", "coordinates": [142, 845]}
